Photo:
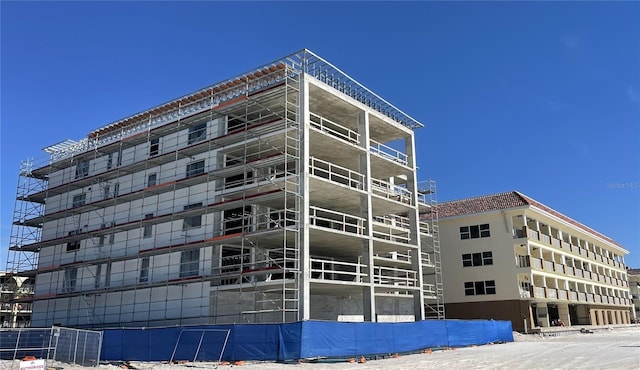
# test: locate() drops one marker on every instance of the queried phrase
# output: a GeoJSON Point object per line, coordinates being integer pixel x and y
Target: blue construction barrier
{"type": "Point", "coordinates": [306, 339]}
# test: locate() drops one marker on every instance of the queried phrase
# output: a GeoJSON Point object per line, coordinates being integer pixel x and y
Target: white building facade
{"type": "Point", "coordinates": [510, 257]}
{"type": "Point", "coordinates": [286, 193]}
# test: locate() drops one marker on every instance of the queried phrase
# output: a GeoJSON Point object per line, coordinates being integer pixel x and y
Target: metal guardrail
{"type": "Point", "coordinates": [73, 346]}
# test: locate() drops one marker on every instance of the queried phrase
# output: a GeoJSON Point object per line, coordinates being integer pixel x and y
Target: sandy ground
{"type": "Point", "coordinates": [604, 349]}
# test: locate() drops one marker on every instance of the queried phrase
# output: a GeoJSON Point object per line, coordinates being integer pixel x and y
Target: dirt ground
{"type": "Point", "coordinates": [617, 348]}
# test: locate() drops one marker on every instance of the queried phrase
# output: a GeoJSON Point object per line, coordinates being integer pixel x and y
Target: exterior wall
{"type": "Point", "coordinates": [502, 271]}
{"type": "Point", "coordinates": [516, 311]}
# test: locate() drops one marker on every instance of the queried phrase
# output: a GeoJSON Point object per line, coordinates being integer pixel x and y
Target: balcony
{"type": "Point", "coordinates": [391, 191]}
{"type": "Point", "coordinates": [336, 174]}
{"type": "Point", "coordinates": [388, 153]}
{"type": "Point", "coordinates": [324, 218]}
{"type": "Point", "coordinates": [333, 129]}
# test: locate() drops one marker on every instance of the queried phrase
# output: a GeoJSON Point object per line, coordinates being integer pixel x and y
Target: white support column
{"type": "Point", "coordinates": [304, 306]}
{"type": "Point", "coordinates": [368, 294]}
{"type": "Point", "coordinates": [414, 222]}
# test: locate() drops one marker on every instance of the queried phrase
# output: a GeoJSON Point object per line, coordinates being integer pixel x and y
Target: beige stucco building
{"type": "Point", "coordinates": [506, 256]}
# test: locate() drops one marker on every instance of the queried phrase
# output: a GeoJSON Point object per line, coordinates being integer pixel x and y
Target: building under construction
{"type": "Point", "coordinates": [286, 193]}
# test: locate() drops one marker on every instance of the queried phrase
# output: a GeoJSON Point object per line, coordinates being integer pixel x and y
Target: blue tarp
{"type": "Point", "coordinates": [306, 339]}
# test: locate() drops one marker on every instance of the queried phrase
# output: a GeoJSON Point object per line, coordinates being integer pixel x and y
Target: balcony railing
{"type": "Point", "coordinates": [344, 222]}
{"type": "Point", "coordinates": [336, 174]}
{"type": "Point", "coordinates": [334, 129]}
{"type": "Point", "coordinates": [391, 191]}
{"type": "Point", "coordinates": [388, 153]}
{"type": "Point", "coordinates": [337, 271]}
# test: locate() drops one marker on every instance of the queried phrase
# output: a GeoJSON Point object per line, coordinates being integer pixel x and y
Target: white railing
{"type": "Point", "coordinates": [337, 174]}
{"type": "Point", "coordinates": [393, 220]}
{"type": "Point", "coordinates": [325, 218]}
{"type": "Point", "coordinates": [394, 276]}
{"type": "Point", "coordinates": [337, 270]}
{"type": "Point", "coordinates": [388, 153]}
{"type": "Point", "coordinates": [334, 129]}
{"type": "Point", "coordinates": [391, 191]}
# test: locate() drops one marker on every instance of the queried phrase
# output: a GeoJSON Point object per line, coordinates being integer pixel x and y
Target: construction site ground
{"type": "Point", "coordinates": [559, 348]}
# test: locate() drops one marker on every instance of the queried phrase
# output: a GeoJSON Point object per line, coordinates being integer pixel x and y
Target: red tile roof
{"type": "Point", "coordinates": [511, 199]}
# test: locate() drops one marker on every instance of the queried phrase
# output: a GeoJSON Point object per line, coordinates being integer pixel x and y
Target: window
{"type": "Point", "coordinates": [109, 161]}
{"type": "Point", "coordinates": [490, 286]}
{"type": "Point", "coordinates": [152, 179]}
{"type": "Point", "coordinates": [119, 158]}
{"type": "Point", "coordinates": [147, 229]}
{"type": "Point", "coordinates": [197, 133]}
{"type": "Point", "coordinates": [98, 277]}
{"type": "Point", "coordinates": [487, 258]}
{"type": "Point", "coordinates": [190, 263]}
{"type": "Point", "coordinates": [477, 259]}
{"type": "Point", "coordinates": [195, 168]}
{"type": "Point", "coordinates": [144, 270]}
{"type": "Point", "coordinates": [484, 231]}
{"type": "Point", "coordinates": [82, 169]}
{"type": "Point", "coordinates": [480, 287]}
{"type": "Point", "coordinates": [107, 275]}
{"type": "Point", "coordinates": [105, 192]}
{"type": "Point", "coordinates": [191, 222]}
{"type": "Point", "coordinates": [75, 244]}
{"type": "Point", "coordinates": [116, 189]}
{"type": "Point", "coordinates": [70, 278]}
{"type": "Point", "coordinates": [154, 147]}
{"type": "Point", "coordinates": [78, 200]}
{"type": "Point", "coordinates": [474, 231]}
{"type": "Point", "coordinates": [464, 232]}
{"type": "Point", "coordinates": [468, 288]}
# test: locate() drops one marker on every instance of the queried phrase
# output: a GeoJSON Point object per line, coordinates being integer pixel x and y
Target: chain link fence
{"type": "Point", "coordinates": [72, 346]}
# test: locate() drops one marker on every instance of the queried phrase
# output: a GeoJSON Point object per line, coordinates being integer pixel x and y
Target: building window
{"type": "Point", "coordinates": [79, 200]}
{"type": "Point", "coordinates": [487, 258]}
{"type": "Point", "coordinates": [197, 133]}
{"type": "Point", "coordinates": [152, 179]}
{"type": "Point", "coordinates": [144, 270]}
{"type": "Point", "coordinates": [190, 263]}
{"type": "Point", "coordinates": [109, 161]}
{"type": "Point", "coordinates": [480, 287]}
{"type": "Point", "coordinates": [82, 169]}
{"type": "Point", "coordinates": [70, 278]}
{"type": "Point", "coordinates": [75, 244]}
{"type": "Point", "coordinates": [105, 192]}
{"type": "Point", "coordinates": [191, 222]}
{"type": "Point", "coordinates": [477, 259]}
{"type": "Point", "coordinates": [116, 189]}
{"type": "Point", "coordinates": [474, 231]}
{"type": "Point", "coordinates": [147, 229]}
{"type": "Point", "coordinates": [154, 147]}
{"type": "Point", "coordinates": [195, 168]}
{"type": "Point", "coordinates": [98, 277]}
{"type": "Point", "coordinates": [468, 288]}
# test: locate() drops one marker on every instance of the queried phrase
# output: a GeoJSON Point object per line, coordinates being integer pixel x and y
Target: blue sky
{"type": "Point", "coordinates": [543, 98]}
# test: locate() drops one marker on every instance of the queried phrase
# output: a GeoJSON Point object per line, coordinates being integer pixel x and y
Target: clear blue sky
{"type": "Point", "coordinates": [543, 98]}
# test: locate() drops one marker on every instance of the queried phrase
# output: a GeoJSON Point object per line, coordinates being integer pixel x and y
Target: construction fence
{"type": "Point", "coordinates": [73, 346]}
{"type": "Point", "coordinates": [292, 341]}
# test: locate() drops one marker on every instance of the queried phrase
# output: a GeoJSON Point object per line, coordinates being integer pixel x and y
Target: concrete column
{"type": "Point", "coordinates": [605, 316]}
{"type": "Point", "coordinates": [368, 292]}
{"type": "Point", "coordinates": [304, 308]}
{"type": "Point", "coordinates": [618, 317]}
{"type": "Point", "coordinates": [563, 314]}
{"type": "Point", "coordinates": [414, 222]}
{"type": "Point", "coordinates": [600, 317]}
{"type": "Point", "coordinates": [594, 318]}
{"type": "Point", "coordinates": [542, 315]}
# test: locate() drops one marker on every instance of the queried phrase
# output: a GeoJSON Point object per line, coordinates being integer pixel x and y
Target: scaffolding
{"type": "Point", "coordinates": [434, 292]}
{"type": "Point", "coordinates": [241, 202]}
